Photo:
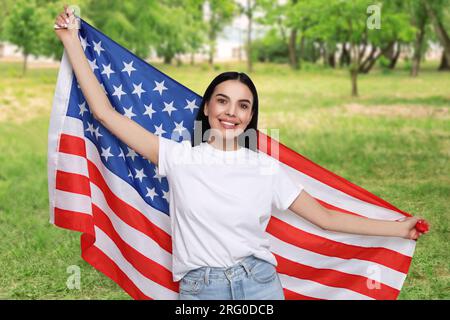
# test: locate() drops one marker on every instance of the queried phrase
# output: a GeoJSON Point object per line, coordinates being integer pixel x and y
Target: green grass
{"type": "Point", "coordinates": [394, 140]}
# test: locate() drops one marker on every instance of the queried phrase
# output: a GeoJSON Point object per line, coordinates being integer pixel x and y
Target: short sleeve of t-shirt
{"type": "Point", "coordinates": [285, 190]}
{"type": "Point", "coordinates": [169, 153]}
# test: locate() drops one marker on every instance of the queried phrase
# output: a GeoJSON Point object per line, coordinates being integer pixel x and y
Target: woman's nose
{"type": "Point", "coordinates": [231, 110]}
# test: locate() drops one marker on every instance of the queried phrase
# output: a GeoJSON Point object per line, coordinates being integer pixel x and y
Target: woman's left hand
{"type": "Point", "coordinates": [409, 228]}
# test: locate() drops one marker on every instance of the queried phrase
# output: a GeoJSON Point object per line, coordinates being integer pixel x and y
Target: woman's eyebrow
{"type": "Point", "coordinates": [221, 94]}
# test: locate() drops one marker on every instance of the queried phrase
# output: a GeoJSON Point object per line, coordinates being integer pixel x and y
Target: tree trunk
{"type": "Point", "coordinates": [292, 49]}
{"type": "Point", "coordinates": [211, 38]}
{"type": "Point", "coordinates": [344, 59]}
{"type": "Point", "coordinates": [167, 59]}
{"type": "Point", "coordinates": [25, 62]}
{"type": "Point", "coordinates": [354, 77]}
{"type": "Point", "coordinates": [367, 65]}
{"type": "Point", "coordinates": [192, 58]}
{"type": "Point", "coordinates": [355, 56]}
{"type": "Point", "coordinates": [445, 65]}
{"type": "Point", "coordinates": [418, 48]}
{"type": "Point", "coordinates": [323, 53]}
{"type": "Point", "coordinates": [332, 59]}
{"type": "Point", "coordinates": [301, 51]}
{"type": "Point", "coordinates": [369, 61]}
{"type": "Point", "coordinates": [440, 30]}
{"type": "Point", "coordinates": [394, 56]}
{"type": "Point", "coordinates": [249, 37]}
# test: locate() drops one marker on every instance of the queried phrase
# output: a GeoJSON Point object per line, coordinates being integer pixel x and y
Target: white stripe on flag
{"type": "Point", "coordinates": [73, 202]}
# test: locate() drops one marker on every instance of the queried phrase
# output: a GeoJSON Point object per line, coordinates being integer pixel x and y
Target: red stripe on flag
{"type": "Point", "coordinates": [72, 145]}
{"type": "Point", "coordinates": [324, 246]}
{"type": "Point", "coordinates": [72, 220]}
{"type": "Point", "coordinates": [72, 182]}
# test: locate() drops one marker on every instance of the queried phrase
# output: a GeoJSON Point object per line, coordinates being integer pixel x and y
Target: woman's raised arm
{"type": "Point", "coordinates": [131, 133]}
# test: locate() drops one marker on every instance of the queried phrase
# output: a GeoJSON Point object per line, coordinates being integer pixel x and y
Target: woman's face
{"type": "Point", "coordinates": [229, 109]}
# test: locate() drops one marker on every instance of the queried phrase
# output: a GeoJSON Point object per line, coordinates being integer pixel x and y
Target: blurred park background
{"type": "Point", "coordinates": [360, 87]}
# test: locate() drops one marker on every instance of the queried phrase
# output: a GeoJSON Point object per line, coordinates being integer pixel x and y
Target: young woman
{"type": "Point", "coordinates": [219, 204]}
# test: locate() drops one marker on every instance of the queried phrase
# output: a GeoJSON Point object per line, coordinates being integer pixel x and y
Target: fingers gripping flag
{"type": "Point", "coordinates": [115, 198]}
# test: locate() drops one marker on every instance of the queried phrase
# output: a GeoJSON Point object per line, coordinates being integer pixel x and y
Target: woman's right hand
{"type": "Point", "coordinates": [66, 25]}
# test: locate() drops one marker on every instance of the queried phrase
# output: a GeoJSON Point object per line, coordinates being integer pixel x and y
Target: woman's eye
{"type": "Point", "coordinates": [244, 106]}
{"type": "Point", "coordinates": [221, 100]}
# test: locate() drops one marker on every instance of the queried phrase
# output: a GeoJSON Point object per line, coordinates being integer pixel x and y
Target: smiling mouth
{"type": "Point", "coordinates": [228, 125]}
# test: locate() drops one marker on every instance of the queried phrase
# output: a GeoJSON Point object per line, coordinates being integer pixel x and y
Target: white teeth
{"type": "Point", "coordinates": [228, 123]}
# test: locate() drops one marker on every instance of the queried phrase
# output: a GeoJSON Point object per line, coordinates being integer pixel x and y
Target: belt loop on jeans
{"type": "Point", "coordinates": [207, 275]}
{"type": "Point", "coordinates": [246, 267]}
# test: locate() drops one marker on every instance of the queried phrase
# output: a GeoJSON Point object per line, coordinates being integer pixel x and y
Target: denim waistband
{"type": "Point", "coordinates": [244, 266]}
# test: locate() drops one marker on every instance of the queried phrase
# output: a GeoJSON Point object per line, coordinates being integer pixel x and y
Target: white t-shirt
{"type": "Point", "coordinates": [220, 203]}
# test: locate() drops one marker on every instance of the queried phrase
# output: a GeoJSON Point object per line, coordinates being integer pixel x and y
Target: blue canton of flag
{"type": "Point", "coordinates": [145, 95]}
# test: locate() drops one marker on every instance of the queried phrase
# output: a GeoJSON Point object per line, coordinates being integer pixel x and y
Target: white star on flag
{"type": "Point", "coordinates": [84, 43]}
{"type": "Point", "coordinates": [82, 108]}
{"type": "Point", "coordinates": [128, 67]}
{"type": "Point", "coordinates": [149, 110]}
{"type": "Point", "coordinates": [131, 153]}
{"type": "Point", "coordinates": [118, 91]}
{"type": "Point", "coordinates": [129, 112]}
{"type": "Point", "coordinates": [151, 193]}
{"type": "Point", "coordinates": [106, 153]}
{"type": "Point", "coordinates": [93, 64]}
{"type": "Point", "coordinates": [98, 47]}
{"type": "Point", "coordinates": [140, 174]}
{"type": "Point", "coordinates": [166, 195]}
{"type": "Point", "coordinates": [97, 132]}
{"type": "Point", "coordinates": [159, 130]}
{"type": "Point", "coordinates": [169, 108]}
{"type": "Point", "coordinates": [179, 127]}
{"type": "Point", "coordinates": [159, 87]}
{"type": "Point", "coordinates": [191, 105]}
{"type": "Point", "coordinates": [157, 176]}
{"type": "Point", "coordinates": [121, 154]}
{"type": "Point", "coordinates": [138, 89]}
{"type": "Point", "coordinates": [90, 128]}
{"type": "Point", "coordinates": [107, 70]}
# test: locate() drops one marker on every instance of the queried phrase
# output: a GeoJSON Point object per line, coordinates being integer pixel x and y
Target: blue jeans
{"type": "Point", "coordinates": [250, 279]}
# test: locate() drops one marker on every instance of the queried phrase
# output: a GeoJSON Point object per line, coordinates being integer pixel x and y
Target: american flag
{"type": "Point", "coordinates": [115, 198]}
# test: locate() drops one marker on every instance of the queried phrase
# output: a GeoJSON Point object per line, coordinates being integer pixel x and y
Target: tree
{"type": "Point", "coordinates": [435, 12]}
{"type": "Point", "coordinates": [359, 27]}
{"type": "Point", "coordinates": [130, 23]}
{"type": "Point", "coordinates": [290, 23]}
{"type": "Point", "coordinates": [195, 27]}
{"type": "Point", "coordinates": [219, 14]}
{"type": "Point", "coordinates": [419, 19]}
{"type": "Point", "coordinates": [6, 6]}
{"type": "Point", "coordinates": [23, 27]}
